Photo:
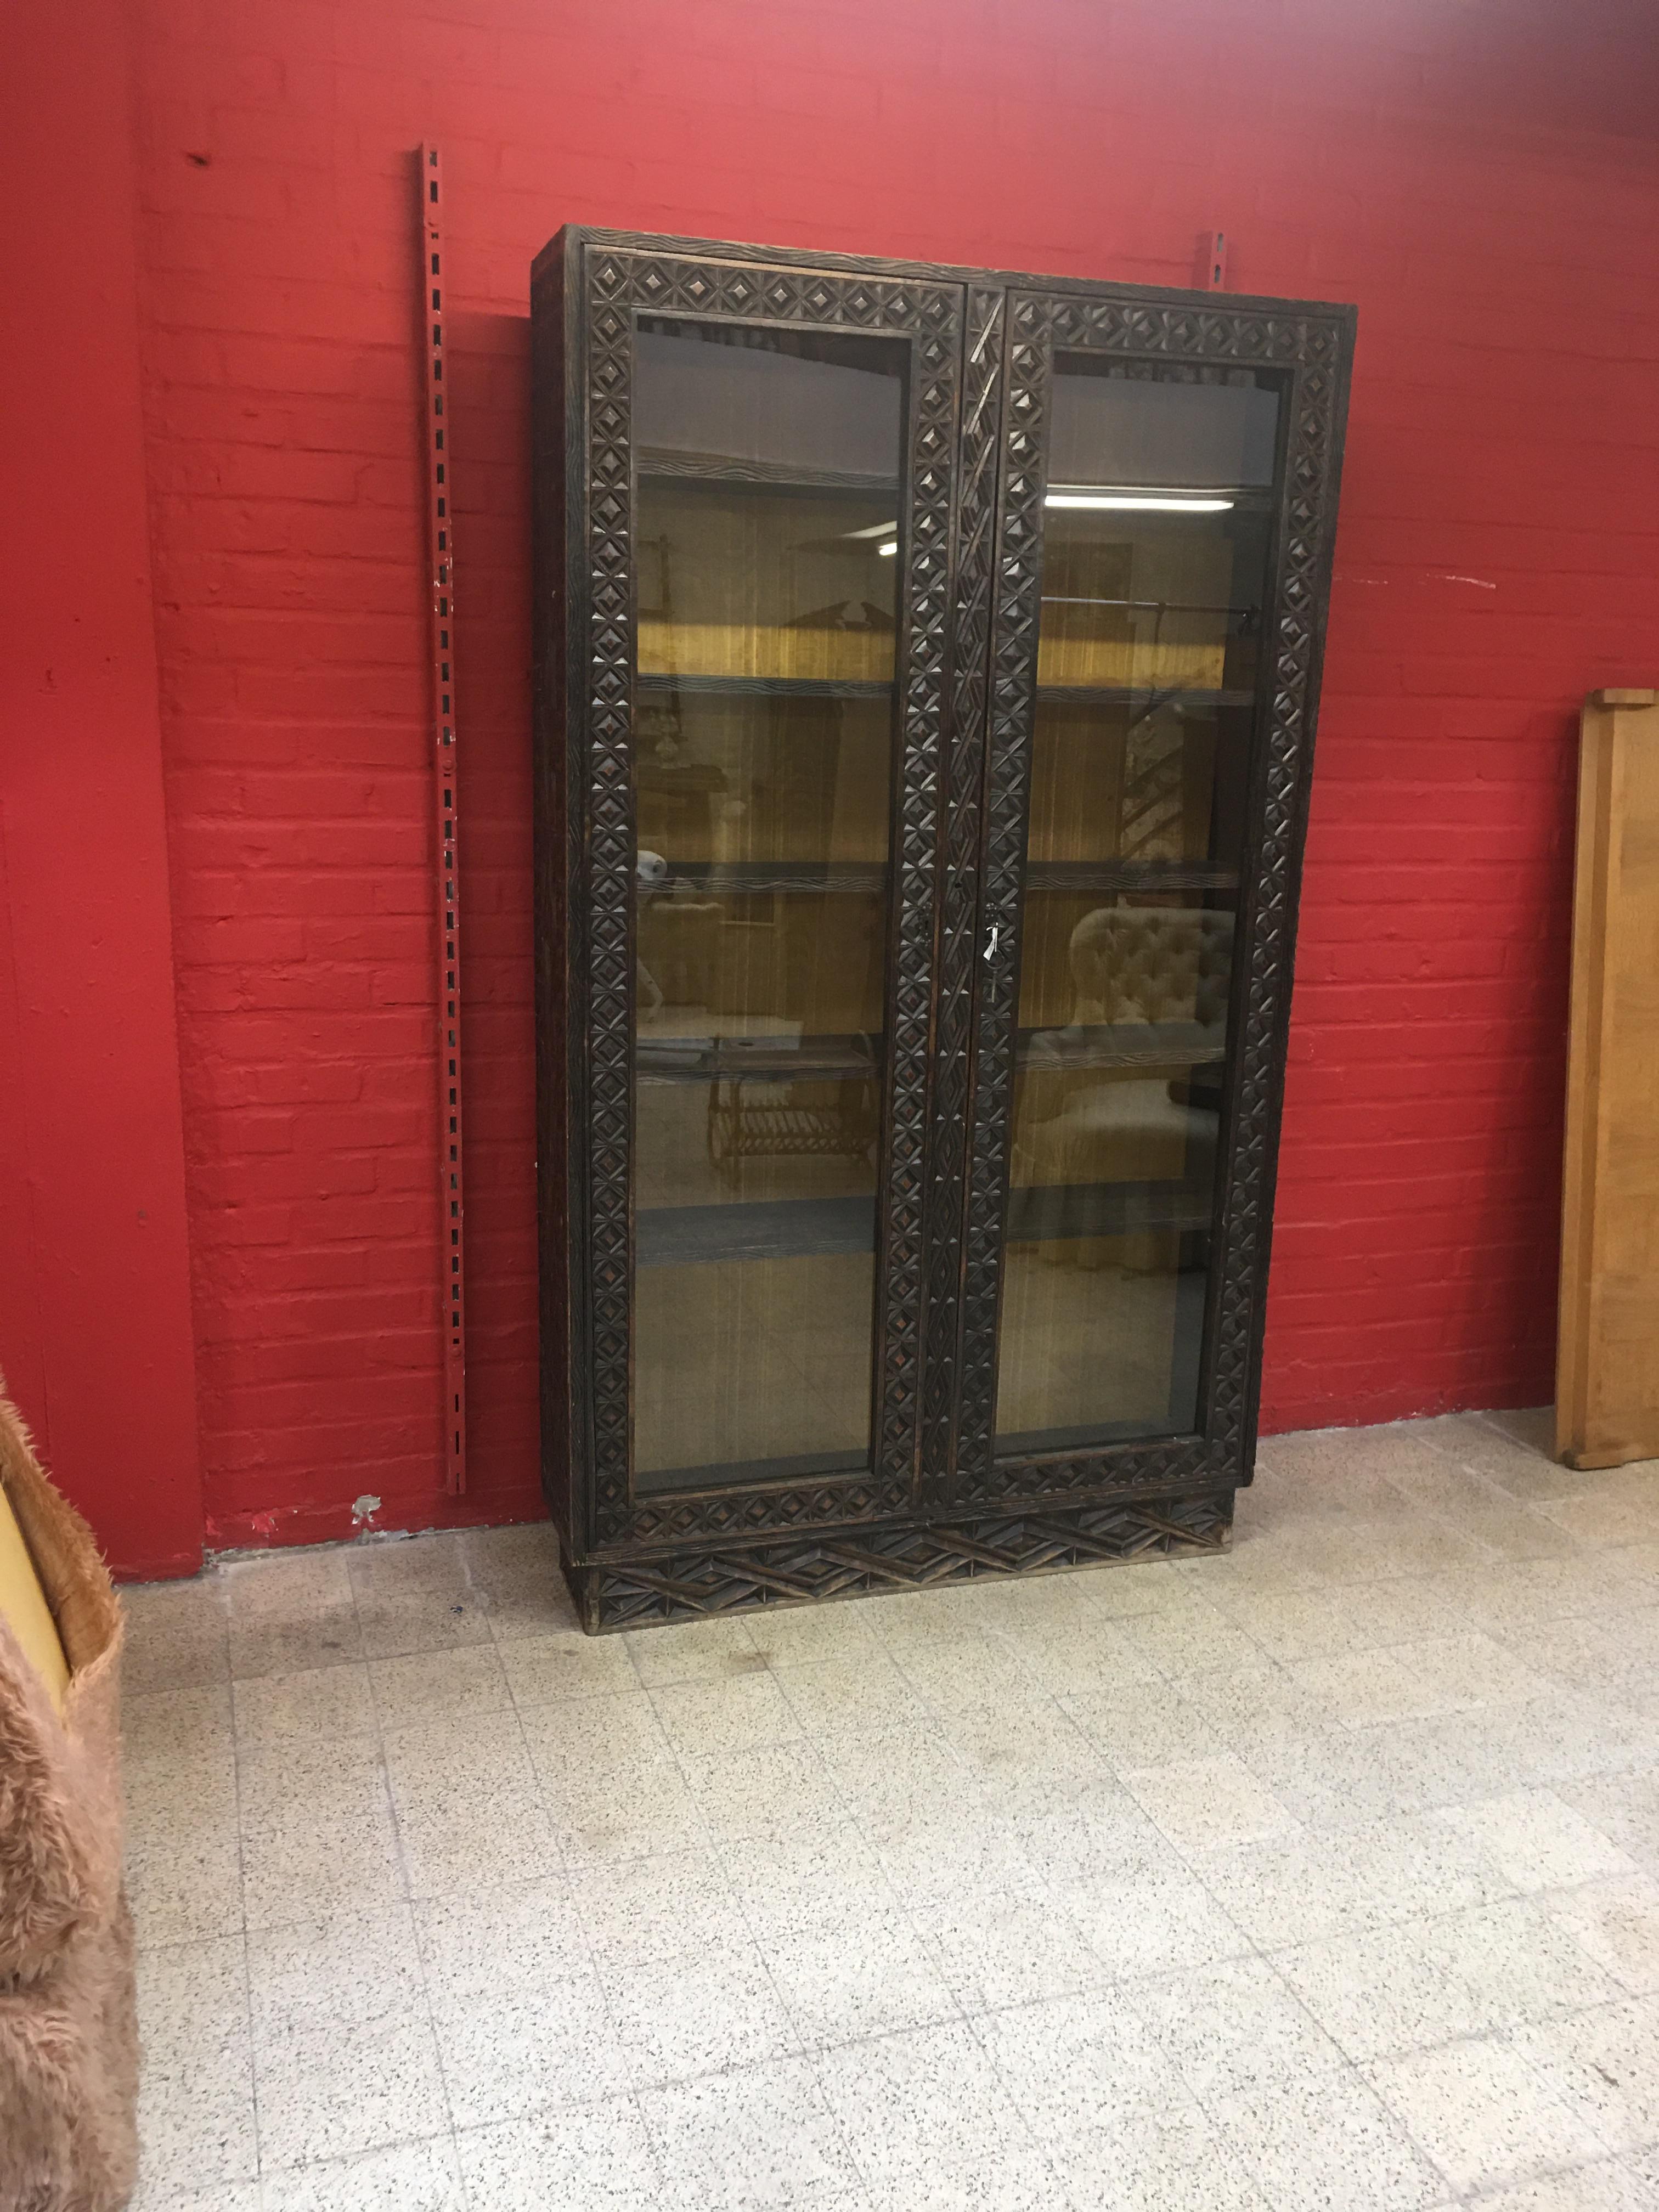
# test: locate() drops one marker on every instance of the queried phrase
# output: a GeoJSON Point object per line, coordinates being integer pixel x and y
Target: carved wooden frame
{"type": "Point", "coordinates": [914, 1554]}
{"type": "Point", "coordinates": [1310, 347]}
{"type": "Point", "coordinates": [613, 280]}
{"type": "Point", "coordinates": [936, 1504]}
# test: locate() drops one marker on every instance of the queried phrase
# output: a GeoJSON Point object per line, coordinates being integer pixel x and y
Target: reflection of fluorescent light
{"type": "Point", "coordinates": [1161, 502]}
{"type": "Point", "coordinates": [876, 529]}
{"type": "Point", "coordinates": [892, 546]}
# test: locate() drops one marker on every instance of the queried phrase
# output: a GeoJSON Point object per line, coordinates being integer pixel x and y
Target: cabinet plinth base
{"type": "Point", "coordinates": [707, 1579]}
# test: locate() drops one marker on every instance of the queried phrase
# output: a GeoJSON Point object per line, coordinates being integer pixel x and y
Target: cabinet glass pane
{"type": "Point", "coordinates": [1155, 539]}
{"type": "Point", "coordinates": [767, 467]}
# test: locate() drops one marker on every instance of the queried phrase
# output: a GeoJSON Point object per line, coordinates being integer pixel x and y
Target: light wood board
{"type": "Point", "coordinates": [1608, 1351]}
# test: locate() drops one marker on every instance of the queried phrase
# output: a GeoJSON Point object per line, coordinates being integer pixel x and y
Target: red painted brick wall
{"type": "Point", "coordinates": [1470, 172]}
{"type": "Point", "coordinates": [94, 1267]}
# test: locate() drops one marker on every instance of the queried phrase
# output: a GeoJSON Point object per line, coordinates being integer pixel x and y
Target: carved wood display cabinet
{"type": "Point", "coordinates": [928, 666]}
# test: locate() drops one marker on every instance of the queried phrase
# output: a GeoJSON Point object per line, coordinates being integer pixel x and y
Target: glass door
{"type": "Point", "coordinates": [762, 562]}
{"type": "Point", "coordinates": [759, 502]}
{"type": "Point", "coordinates": [1102, 1082]}
{"type": "Point", "coordinates": [767, 467]}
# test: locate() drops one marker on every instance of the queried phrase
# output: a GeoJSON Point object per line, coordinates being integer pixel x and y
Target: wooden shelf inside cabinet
{"type": "Point", "coordinates": [791, 1229]}
{"type": "Point", "coordinates": [1144, 696]}
{"type": "Point", "coordinates": [707, 1485]}
{"type": "Point", "coordinates": [769, 687]}
{"type": "Point", "coordinates": [782, 878]}
{"type": "Point", "coordinates": [1092, 1047]}
{"type": "Point", "coordinates": [813, 687]}
{"type": "Point", "coordinates": [755, 1060]}
{"type": "Point", "coordinates": [729, 475]}
{"type": "Point", "coordinates": [1127, 876]}
{"type": "Point", "coordinates": [1040, 1213]}
{"type": "Point", "coordinates": [778, 1229]}
{"type": "Point", "coordinates": [1083, 1049]}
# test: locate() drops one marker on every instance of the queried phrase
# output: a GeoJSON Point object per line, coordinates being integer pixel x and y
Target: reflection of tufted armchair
{"type": "Point", "coordinates": [1154, 964]}
{"type": "Point", "coordinates": [1107, 1099]}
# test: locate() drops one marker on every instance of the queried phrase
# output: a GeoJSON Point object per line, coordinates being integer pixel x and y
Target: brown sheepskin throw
{"type": "Point", "coordinates": [69, 2041]}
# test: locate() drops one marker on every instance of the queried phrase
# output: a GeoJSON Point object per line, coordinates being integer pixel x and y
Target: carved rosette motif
{"type": "Point", "coordinates": [618, 284]}
{"type": "Point", "coordinates": [706, 1580]}
{"type": "Point", "coordinates": [1307, 349]}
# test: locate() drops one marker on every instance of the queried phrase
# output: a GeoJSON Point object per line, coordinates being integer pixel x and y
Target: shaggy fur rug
{"type": "Point", "coordinates": [69, 2041]}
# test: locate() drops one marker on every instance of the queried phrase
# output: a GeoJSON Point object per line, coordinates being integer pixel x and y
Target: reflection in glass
{"type": "Point", "coordinates": [1155, 539]}
{"type": "Point", "coordinates": [767, 507]}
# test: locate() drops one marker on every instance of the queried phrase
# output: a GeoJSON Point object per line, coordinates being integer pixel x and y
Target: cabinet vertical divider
{"type": "Point", "coordinates": [1014, 614]}
{"type": "Point", "coordinates": [960, 933]}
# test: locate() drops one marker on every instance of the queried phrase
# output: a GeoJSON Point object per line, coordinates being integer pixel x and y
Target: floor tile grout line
{"type": "Point", "coordinates": [1357, 2067]}
{"type": "Point", "coordinates": [346, 2159]}
{"type": "Point", "coordinates": [785, 2009]}
{"type": "Point", "coordinates": [247, 1962]}
{"type": "Point", "coordinates": [1484, 2192]}
{"type": "Point", "coordinates": [241, 1891]}
{"type": "Point", "coordinates": [1555, 2017]}
{"type": "Point", "coordinates": [561, 1867]}
{"type": "Point", "coordinates": [409, 1903]}
{"type": "Point", "coordinates": [962, 2015]}
{"type": "Point", "coordinates": [825, 2047]}
{"type": "Point", "coordinates": [1506, 2037]}
{"type": "Point", "coordinates": [596, 1966]}
{"type": "Point", "coordinates": [993, 1811]}
{"type": "Point", "coordinates": [1351, 2066]}
{"type": "Point", "coordinates": [1523, 1509]}
{"type": "Point", "coordinates": [558, 1869]}
{"type": "Point", "coordinates": [901, 1903]}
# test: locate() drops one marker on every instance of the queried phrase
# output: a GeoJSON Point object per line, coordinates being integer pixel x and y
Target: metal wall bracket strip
{"type": "Point", "coordinates": [440, 560]}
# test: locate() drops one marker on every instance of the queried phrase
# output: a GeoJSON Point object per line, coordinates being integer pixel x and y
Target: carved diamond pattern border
{"type": "Point", "coordinates": [959, 919]}
{"type": "Point", "coordinates": [618, 285]}
{"type": "Point", "coordinates": [1308, 348]}
{"type": "Point", "coordinates": [1307, 524]}
{"type": "Point", "coordinates": [695, 1584]}
{"type": "Point", "coordinates": [1016, 616]}
{"type": "Point", "coordinates": [1121, 1472]}
{"type": "Point", "coordinates": [927, 665]}
{"type": "Point", "coordinates": [605, 823]}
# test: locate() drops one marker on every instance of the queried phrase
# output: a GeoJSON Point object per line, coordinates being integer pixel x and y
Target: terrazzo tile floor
{"type": "Point", "coordinates": [1323, 1875]}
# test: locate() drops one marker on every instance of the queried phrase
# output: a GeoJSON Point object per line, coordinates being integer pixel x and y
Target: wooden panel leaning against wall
{"type": "Point", "coordinates": [1606, 1395]}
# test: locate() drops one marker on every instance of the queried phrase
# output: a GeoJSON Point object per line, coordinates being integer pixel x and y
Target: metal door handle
{"type": "Point", "coordinates": [991, 941]}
